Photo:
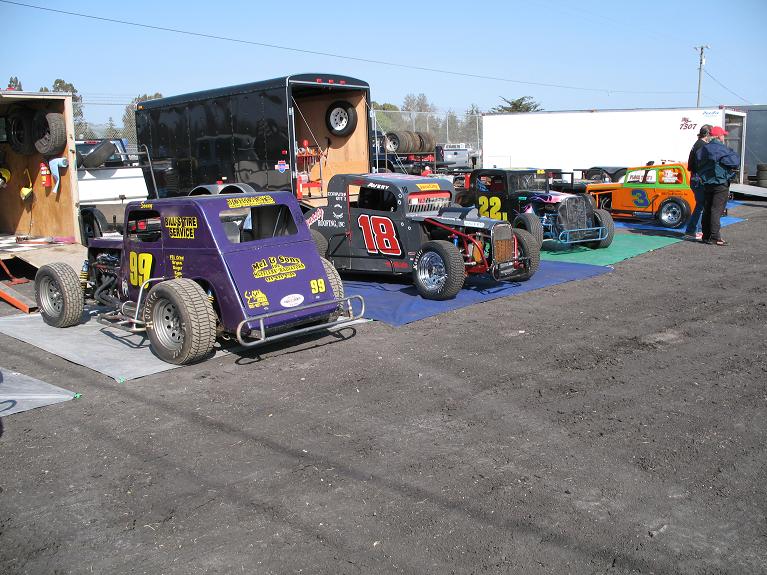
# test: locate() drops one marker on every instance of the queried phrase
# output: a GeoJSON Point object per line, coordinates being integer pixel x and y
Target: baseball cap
{"type": "Point", "coordinates": [718, 131]}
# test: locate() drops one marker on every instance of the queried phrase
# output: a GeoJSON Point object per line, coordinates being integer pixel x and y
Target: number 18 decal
{"type": "Point", "coordinates": [380, 235]}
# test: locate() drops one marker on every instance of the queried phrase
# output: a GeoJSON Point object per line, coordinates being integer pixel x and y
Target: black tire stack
{"type": "Point", "coordinates": [761, 175]}
{"type": "Point", "coordinates": [31, 131]}
{"type": "Point", "coordinates": [407, 142]}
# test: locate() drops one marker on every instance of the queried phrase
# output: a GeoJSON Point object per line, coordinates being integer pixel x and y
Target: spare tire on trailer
{"type": "Point", "coordinates": [341, 118]}
{"type": "Point", "coordinates": [50, 132]}
{"type": "Point", "coordinates": [99, 154]}
{"type": "Point", "coordinates": [429, 143]}
{"type": "Point", "coordinates": [392, 142]}
{"type": "Point", "coordinates": [21, 130]}
{"type": "Point", "coordinates": [415, 142]}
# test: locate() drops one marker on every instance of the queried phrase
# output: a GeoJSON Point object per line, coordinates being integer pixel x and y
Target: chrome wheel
{"type": "Point", "coordinates": [51, 298]}
{"type": "Point", "coordinates": [671, 214]}
{"type": "Point", "coordinates": [432, 271]}
{"type": "Point", "coordinates": [339, 119]}
{"type": "Point", "coordinates": [167, 324]}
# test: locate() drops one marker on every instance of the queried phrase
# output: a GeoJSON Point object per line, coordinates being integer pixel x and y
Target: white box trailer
{"type": "Point", "coordinates": [577, 140]}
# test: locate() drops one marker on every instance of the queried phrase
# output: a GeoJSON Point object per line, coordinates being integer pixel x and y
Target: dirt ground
{"type": "Point", "coordinates": [612, 425]}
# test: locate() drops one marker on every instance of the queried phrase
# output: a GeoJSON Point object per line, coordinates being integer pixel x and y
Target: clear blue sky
{"type": "Point", "coordinates": [623, 47]}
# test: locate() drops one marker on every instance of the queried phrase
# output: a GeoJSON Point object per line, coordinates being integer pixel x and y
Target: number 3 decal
{"type": "Point", "coordinates": [640, 198]}
{"type": "Point", "coordinates": [380, 235]}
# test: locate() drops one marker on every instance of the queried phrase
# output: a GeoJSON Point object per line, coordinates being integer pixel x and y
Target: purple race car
{"type": "Point", "coordinates": [190, 269]}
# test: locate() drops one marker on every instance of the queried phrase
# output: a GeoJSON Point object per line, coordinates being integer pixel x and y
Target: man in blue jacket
{"type": "Point", "coordinates": [716, 165]}
{"type": "Point", "coordinates": [694, 230]}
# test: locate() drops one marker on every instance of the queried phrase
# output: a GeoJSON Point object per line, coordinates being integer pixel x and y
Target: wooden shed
{"type": "Point", "coordinates": [44, 213]}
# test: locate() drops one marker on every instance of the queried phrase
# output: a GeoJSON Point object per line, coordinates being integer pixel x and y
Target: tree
{"type": "Point", "coordinates": [129, 115]}
{"type": "Point", "coordinates": [389, 119]}
{"type": "Point", "coordinates": [14, 84]}
{"type": "Point", "coordinates": [523, 104]}
{"type": "Point", "coordinates": [111, 130]}
{"type": "Point", "coordinates": [421, 118]}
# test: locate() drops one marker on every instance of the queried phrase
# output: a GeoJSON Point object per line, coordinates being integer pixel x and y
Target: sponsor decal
{"type": "Point", "coordinates": [236, 202]}
{"type": "Point", "coordinates": [292, 300]}
{"type": "Point", "coordinates": [282, 166]}
{"type": "Point", "coordinates": [146, 206]}
{"type": "Point", "coordinates": [318, 215]}
{"type": "Point", "coordinates": [427, 187]}
{"type": "Point", "coordinates": [177, 265]}
{"type": "Point", "coordinates": [686, 124]}
{"type": "Point", "coordinates": [329, 224]}
{"type": "Point", "coordinates": [376, 186]}
{"type": "Point", "coordinates": [256, 298]}
{"type": "Point", "coordinates": [338, 216]}
{"type": "Point", "coordinates": [339, 206]}
{"type": "Point", "coordinates": [181, 227]}
{"type": "Point", "coordinates": [278, 268]}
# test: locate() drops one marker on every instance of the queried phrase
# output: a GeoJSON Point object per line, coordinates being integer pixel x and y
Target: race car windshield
{"type": "Point", "coordinates": [243, 225]}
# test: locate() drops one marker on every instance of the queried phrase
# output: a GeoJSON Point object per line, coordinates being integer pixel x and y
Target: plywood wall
{"type": "Point", "coordinates": [47, 214]}
{"type": "Point", "coordinates": [345, 155]}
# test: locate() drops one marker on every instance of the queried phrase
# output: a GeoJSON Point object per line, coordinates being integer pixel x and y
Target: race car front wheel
{"type": "Point", "coordinates": [59, 295]}
{"type": "Point", "coordinates": [602, 218]}
{"type": "Point", "coordinates": [529, 250]}
{"type": "Point", "coordinates": [181, 323]}
{"type": "Point", "coordinates": [438, 271]}
{"type": "Point", "coordinates": [531, 224]}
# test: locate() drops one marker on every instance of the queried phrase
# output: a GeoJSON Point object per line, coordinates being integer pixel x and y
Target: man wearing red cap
{"type": "Point", "coordinates": [717, 165]}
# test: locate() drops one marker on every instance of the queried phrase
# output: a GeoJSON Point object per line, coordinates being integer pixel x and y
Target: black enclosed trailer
{"type": "Point", "coordinates": [293, 132]}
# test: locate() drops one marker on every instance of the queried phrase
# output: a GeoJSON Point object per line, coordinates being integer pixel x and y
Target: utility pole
{"type": "Point", "coordinates": [700, 68]}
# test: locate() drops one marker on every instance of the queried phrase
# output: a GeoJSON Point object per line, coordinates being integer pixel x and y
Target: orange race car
{"type": "Point", "coordinates": [660, 192]}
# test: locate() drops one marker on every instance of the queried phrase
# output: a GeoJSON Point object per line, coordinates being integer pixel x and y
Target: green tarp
{"type": "Point", "coordinates": [624, 246]}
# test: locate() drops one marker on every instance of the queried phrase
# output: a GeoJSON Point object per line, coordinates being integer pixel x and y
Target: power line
{"type": "Point", "coordinates": [339, 56]}
{"type": "Point", "coordinates": [725, 87]}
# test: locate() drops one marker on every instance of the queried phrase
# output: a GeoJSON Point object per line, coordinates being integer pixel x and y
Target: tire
{"type": "Point", "coordinates": [603, 218]}
{"type": "Point", "coordinates": [531, 224]}
{"type": "Point", "coordinates": [79, 158]}
{"type": "Point", "coordinates": [50, 133]}
{"type": "Point", "coordinates": [320, 241]}
{"type": "Point", "coordinates": [341, 118]}
{"type": "Point", "coordinates": [673, 213]}
{"type": "Point", "coordinates": [94, 223]}
{"type": "Point", "coordinates": [59, 295]}
{"type": "Point", "coordinates": [438, 270]}
{"type": "Point", "coordinates": [526, 248]}
{"type": "Point", "coordinates": [761, 183]}
{"type": "Point", "coordinates": [392, 142]}
{"type": "Point", "coordinates": [99, 154]}
{"type": "Point", "coordinates": [21, 131]}
{"type": "Point", "coordinates": [761, 167]}
{"type": "Point", "coordinates": [428, 142]}
{"type": "Point", "coordinates": [415, 142]}
{"type": "Point", "coordinates": [181, 323]}
{"type": "Point", "coordinates": [334, 278]}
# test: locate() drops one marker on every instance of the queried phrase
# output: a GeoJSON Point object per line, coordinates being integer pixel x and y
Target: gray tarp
{"type": "Point", "coordinates": [19, 392]}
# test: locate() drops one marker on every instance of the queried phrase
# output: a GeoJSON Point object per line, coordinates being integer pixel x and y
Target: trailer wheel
{"type": "Point", "coordinates": [341, 118]}
{"type": "Point", "coordinates": [673, 213]}
{"type": "Point", "coordinates": [320, 241]}
{"type": "Point", "coordinates": [181, 323]}
{"type": "Point", "coordinates": [603, 218]}
{"type": "Point", "coordinates": [59, 295]}
{"type": "Point", "coordinates": [438, 270]}
{"type": "Point", "coordinates": [336, 285]}
{"type": "Point", "coordinates": [99, 154]}
{"type": "Point", "coordinates": [392, 142]}
{"type": "Point", "coordinates": [50, 132]}
{"type": "Point", "coordinates": [526, 248]}
{"type": "Point", "coordinates": [21, 131]}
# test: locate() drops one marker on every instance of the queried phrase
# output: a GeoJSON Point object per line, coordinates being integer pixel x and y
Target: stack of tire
{"type": "Point", "coordinates": [761, 175]}
{"type": "Point", "coordinates": [406, 142]}
{"type": "Point", "coordinates": [36, 131]}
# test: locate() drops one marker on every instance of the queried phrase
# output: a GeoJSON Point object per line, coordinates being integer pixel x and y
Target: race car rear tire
{"type": "Point", "coordinates": [527, 247]}
{"type": "Point", "coordinates": [341, 118]}
{"type": "Point", "coordinates": [438, 270]}
{"type": "Point", "coordinates": [180, 320]}
{"type": "Point", "coordinates": [531, 224]}
{"type": "Point", "coordinates": [603, 218]}
{"type": "Point", "coordinates": [59, 295]}
{"type": "Point", "coordinates": [673, 213]}
{"type": "Point", "coordinates": [336, 285]}
{"type": "Point", "coordinates": [320, 241]}
{"type": "Point", "coordinates": [50, 132]}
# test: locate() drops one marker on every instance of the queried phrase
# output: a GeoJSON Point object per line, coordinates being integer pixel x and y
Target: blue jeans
{"type": "Point", "coordinates": [693, 224]}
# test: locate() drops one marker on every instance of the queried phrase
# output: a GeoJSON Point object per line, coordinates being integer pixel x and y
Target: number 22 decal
{"type": "Point", "coordinates": [140, 268]}
{"type": "Point", "coordinates": [490, 207]}
{"type": "Point", "coordinates": [380, 235]}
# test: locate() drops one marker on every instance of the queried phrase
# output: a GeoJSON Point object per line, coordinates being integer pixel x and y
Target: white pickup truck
{"type": "Point", "coordinates": [107, 178]}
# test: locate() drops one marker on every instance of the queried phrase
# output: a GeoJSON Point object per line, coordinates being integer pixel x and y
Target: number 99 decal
{"type": "Point", "coordinates": [380, 235]}
{"type": "Point", "coordinates": [317, 286]}
{"type": "Point", "coordinates": [139, 268]}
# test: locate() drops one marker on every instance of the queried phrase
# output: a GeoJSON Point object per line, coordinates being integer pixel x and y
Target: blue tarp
{"type": "Point", "coordinates": [638, 225]}
{"type": "Point", "coordinates": [399, 303]}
